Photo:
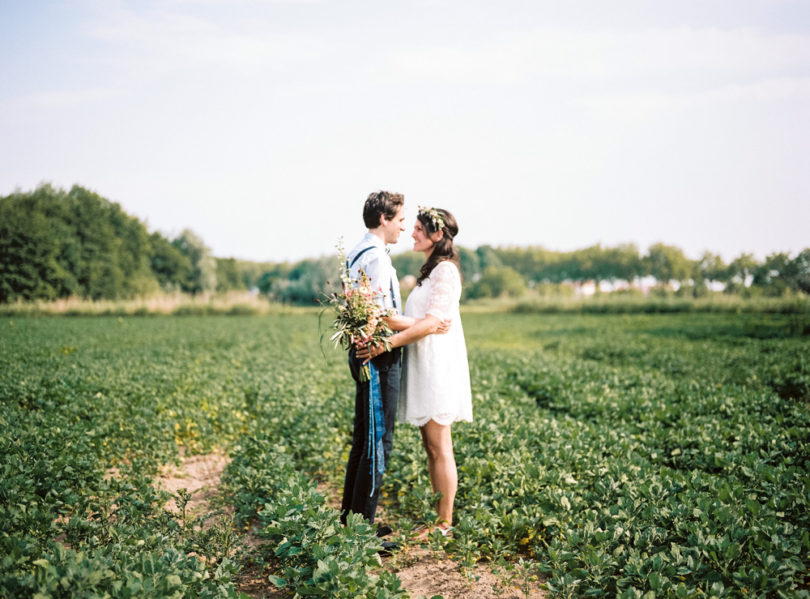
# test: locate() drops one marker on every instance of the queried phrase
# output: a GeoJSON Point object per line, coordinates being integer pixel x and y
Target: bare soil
{"type": "Point", "coordinates": [200, 475]}
{"type": "Point", "coordinates": [424, 572]}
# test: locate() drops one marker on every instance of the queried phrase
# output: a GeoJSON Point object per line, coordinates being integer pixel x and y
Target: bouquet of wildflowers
{"type": "Point", "coordinates": [359, 319]}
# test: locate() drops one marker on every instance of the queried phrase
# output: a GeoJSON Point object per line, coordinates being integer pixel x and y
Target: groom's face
{"type": "Point", "coordinates": [395, 226]}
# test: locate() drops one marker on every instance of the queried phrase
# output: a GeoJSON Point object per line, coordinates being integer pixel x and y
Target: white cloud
{"type": "Point", "coordinates": [638, 106]}
{"type": "Point", "coordinates": [164, 41]}
{"type": "Point", "coordinates": [57, 99]}
{"type": "Point", "coordinates": [663, 56]}
{"type": "Point", "coordinates": [230, 3]}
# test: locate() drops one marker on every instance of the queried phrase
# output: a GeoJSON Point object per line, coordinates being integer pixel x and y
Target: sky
{"type": "Point", "coordinates": [263, 125]}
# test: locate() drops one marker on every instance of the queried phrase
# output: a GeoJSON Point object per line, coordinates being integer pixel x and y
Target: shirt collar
{"type": "Point", "coordinates": [372, 239]}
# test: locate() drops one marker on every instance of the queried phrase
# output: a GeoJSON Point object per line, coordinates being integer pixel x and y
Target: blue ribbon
{"type": "Point", "coordinates": [376, 427]}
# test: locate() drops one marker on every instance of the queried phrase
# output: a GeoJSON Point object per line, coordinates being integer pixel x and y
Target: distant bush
{"type": "Point", "coordinates": [623, 304]}
{"type": "Point", "coordinates": [498, 281]}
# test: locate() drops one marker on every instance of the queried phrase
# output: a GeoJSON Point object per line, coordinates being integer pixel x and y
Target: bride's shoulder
{"type": "Point", "coordinates": [445, 268]}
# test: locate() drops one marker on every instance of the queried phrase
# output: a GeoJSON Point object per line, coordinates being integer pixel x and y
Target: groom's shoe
{"type": "Point", "coordinates": [388, 548]}
{"type": "Point", "coordinates": [384, 531]}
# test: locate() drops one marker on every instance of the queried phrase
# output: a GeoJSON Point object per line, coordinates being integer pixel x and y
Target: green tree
{"type": "Point", "coordinates": [738, 273]}
{"type": "Point", "coordinates": [134, 254]}
{"type": "Point", "coordinates": [171, 267]}
{"type": "Point", "coordinates": [589, 263]}
{"type": "Point", "coordinates": [773, 275]}
{"type": "Point", "coordinates": [229, 278]}
{"type": "Point", "coordinates": [801, 268]}
{"type": "Point", "coordinates": [306, 282]}
{"type": "Point", "coordinates": [470, 265]}
{"type": "Point", "coordinates": [780, 273]}
{"type": "Point", "coordinates": [488, 257]}
{"type": "Point", "coordinates": [709, 267]}
{"type": "Point", "coordinates": [275, 278]}
{"type": "Point", "coordinates": [498, 281]}
{"type": "Point", "coordinates": [527, 261]}
{"type": "Point", "coordinates": [667, 263]}
{"type": "Point", "coordinates": [85, 245]}
{"type": "Point", "coordinates": [203, 265]}
{"type": "Point", "coordinates": [251, 271]}
{"type": "Point", "coordinates": [91, 218]}
{"type": "Point", "coordinates": [621, 263]}
{"type": "Point", "coordinates": [29, 257]}
{"type": "Point", "coordinates": [408, 263]}
{"type": "Point", "coordinates": [567, 267]}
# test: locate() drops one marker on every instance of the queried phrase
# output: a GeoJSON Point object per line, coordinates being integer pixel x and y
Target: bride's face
{"type": "Point", "coordinates": [422, 242]}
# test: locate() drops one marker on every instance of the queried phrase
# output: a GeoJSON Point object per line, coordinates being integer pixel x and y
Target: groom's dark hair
{"type": "Point", "coordinates": [381, 203]}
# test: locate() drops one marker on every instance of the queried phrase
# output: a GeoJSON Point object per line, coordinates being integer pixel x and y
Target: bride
{"type": "Point", "coordinates": [435, 388]}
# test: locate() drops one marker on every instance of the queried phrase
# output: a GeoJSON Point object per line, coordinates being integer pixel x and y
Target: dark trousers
{"type": "Point", "coordinates": [357, 495]}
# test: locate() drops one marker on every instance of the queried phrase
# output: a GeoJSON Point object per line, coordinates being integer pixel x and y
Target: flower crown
{"type": "Point", "coordinates": [433, 215]}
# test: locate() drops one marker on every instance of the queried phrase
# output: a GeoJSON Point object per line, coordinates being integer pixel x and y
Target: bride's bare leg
{"type": "Point", "coordinates": [430, 460]}
{"type": "Point", "coordinates": [438, 444]}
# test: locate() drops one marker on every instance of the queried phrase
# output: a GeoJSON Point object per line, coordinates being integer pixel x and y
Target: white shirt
{"type": "Point", "coordinates": [377, 265]}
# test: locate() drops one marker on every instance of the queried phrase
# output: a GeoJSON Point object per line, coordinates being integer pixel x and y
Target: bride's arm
{"type": "Point", "coordinates": [399, 322]}
{"type": "Point", "coordinates": [420, 329]}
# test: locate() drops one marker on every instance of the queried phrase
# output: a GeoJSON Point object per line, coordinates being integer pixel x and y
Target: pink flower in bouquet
{"type": "Point", "coordinates": [359, 317]}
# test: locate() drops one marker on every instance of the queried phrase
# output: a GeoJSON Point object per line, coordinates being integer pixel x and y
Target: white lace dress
{"type": "Point", "coordinates": [435, 373]}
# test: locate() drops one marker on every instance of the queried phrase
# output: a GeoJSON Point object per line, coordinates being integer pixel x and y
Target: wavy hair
{"type": "Point", "coordinates": [379, 204]}
{"type": "Point", "coordinates": [443, 249]}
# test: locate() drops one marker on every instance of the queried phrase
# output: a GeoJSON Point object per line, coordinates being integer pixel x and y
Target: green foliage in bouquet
{"type": "Point", "coordinates": [359, 318]}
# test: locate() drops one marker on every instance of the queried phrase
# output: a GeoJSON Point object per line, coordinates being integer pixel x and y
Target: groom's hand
{"type": "Point", "coordinates": [367, 352]}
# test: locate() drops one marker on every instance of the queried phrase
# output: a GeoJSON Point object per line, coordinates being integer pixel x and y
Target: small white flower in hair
{"type": "Point", "coordinates": [433, 215]}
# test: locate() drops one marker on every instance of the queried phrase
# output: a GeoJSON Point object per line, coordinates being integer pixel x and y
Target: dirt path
{"type": "Point", "coordinates": [200, 475]}
{"type": "Point", "coordinates": [424, 572]}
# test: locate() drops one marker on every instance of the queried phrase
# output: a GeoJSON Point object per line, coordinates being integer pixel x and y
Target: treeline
{"type": "Point", "coordinates": [56, 243]}
{"type": "Point", "coordinates": [497, 271]}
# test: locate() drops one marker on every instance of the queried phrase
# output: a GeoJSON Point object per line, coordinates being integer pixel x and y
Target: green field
{"type": "Point", "coordinates": [656, 455]}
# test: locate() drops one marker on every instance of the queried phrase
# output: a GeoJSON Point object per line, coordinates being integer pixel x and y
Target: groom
{"type": "Point", "coordinates": [384, 216]}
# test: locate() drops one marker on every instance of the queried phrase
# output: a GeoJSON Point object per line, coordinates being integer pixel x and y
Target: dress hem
{"type": "Point", "coordinates": [443, 421]}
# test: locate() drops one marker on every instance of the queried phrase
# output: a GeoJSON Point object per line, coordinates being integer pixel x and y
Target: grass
{"type": "Point", "coordinates": [244, 303]}
{"type": "Point", "coordinates": [618, 303]}
{"type": "Point", "coordinates": [241, 303]}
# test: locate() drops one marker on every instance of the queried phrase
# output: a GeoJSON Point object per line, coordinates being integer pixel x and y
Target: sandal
{"type": "Point", "coordinates": [424, 532]}
{"type": "Point", "coordinates": [446, 531]}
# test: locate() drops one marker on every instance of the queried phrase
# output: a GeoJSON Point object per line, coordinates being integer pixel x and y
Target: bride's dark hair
{"type": "Point", "coordinates": [442, 249]}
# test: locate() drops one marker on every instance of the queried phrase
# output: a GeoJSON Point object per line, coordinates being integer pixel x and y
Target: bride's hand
{"type": "Point", "coordinates": [444, 327]}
